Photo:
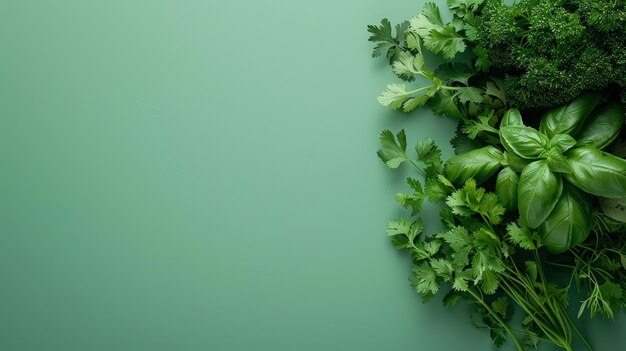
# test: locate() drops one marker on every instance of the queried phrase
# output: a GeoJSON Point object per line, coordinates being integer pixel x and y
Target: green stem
{"type": "Point", "coordinates": [498, 319]}
{"type": "Point", "coordinates": [580, 335]}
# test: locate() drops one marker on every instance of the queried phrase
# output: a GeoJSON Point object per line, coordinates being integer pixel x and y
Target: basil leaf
{"type": "Point", "coordinates": [597, 172]}
{"type": "Point", "coordinates": [563, 142]}
{"type": "Point", "coordinates": [506, 188]}
{"type": "Point", "coordinates": [569, 119]}
{"type": "Point", "coordinates": [603, 126]}
{"type": "Point", "coordinates": [515, 162]}
{"type": "Point", "coordinates": [556, 161]}
{"type": "Point", "coordinates": [539, 190]}
{"type": "Point", "coordinates": [512, 117]}
{"type": "Point", "coordinates": [479, 164]}
{"type": "Point", "coordinates": [569, 223]}
{"type": "Point", "coordinates": [614, 208]}
{"type": "Point", "coordinates": [524, 141]}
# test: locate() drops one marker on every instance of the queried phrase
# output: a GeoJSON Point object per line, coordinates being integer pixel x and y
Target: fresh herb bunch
{"type": "Point", "coordinates": [482, 255]}
{"type": "Point", "coordinates": [551, 51]}
{"type": "Point", "coordinates": [545, 182]}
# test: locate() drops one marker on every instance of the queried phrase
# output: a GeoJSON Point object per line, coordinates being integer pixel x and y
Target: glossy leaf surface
{"type": "Point", "coordinates": [597, 172]}
{"type": "Point", "coordinates": [570, 118]}
{"type": "Point", "coordinates": [479, 164]}
{"type": "Point", "coordinates": [539, 190]}
{"type": "Point", "coordinates": [569, 223]}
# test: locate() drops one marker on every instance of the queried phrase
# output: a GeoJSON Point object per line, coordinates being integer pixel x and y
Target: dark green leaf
{"type": "Point", "coordinates": [523, 141]}
{"type": "Point", "coordinates": [563, 142]}
{"type": "Point", "coordinates": [428, 152]}
{"type": "Point", "coordinates": [603, 126]}
{"type": "Point", "coordinates": [478, 164]}
{"type": "Point", "coordinates": [424, 279]}
{"type": "Point", "coordinates": [455, 72]}
{"type": "Point", "coordinates": [451, 298]}
{"type": "Point", "coordinates": [515, 162]}
{"type": "Point", "coordinates": [569, 223]}
{"type": "Point", "coordinates": [393, 152]}
{"type": "Point", "coordinates": [512, 117]}
{"type": "Point", "coordinates": [539, 191]}
{"type": "Point", "coordinates": [462, 144]}
{"type": "Point", "coordinates": [506, 188]}
{"type": "Point", "coordinates": [556, 161]}
{"type": "Point", "coordinates": [614, 208]}
{"type": "Point", "coordinates": [570, 118]}
{"type": "Point", "coordinates": [443, 104]}
{"type": "Point", "coordinates": [597, 172]}
{"type": "Point", "coordinates": [470, 94]}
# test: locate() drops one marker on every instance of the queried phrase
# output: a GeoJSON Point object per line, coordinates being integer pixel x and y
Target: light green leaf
{"type": "Point", "coordinates": [495, 88]}
{"type": "Point", "coordinates": [407, 65]}
{"type": "Point", "coordinates": [445, 41]}
{"type": "Point", "coordinates": [429, 19]}
{"type": "Point", "coordinates": [443, 268]}
{"type": "Point", "coordinates": [394, 96]}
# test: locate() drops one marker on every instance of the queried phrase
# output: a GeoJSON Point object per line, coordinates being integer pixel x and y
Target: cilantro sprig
{"type": "Point", "coordinates": [483, 255]}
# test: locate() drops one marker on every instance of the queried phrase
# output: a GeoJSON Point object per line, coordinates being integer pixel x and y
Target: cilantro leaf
{"type": "Point", "coordinates": [403, 232]}
{"type": "Point", "coordinates": [387, 43]}
{"type": "Point", "coordinates": [446, 41]}
{"type": "Point", "coordinates": [395, 96]}
{"type": "Point", "coordinates": [503, 307]}
{"type": "Point", "coordinates": [407, 65]}
{"type": "Point", "coordinates": [443, 104]}
{"type": "Point", "coordinates": [522, 236]}
{"type": "Point", "coordinates": [415, 200]}
{"type": "Point", "coordinates": [495, 88]}
{"type": "Point", "coordinates": [455, 72]}
{"type": "Point", "coordinates": [438, 37]}
{"type": "Point", "coordinates": [435, 190]}
{"type": "Point", "coordinates": [393, 152]}
{"type": "Point", "coordinates": [443, 268]}
{"type": "Point", "coordinates": [475, 127]}
{"type": "Point", "coordinates": [462, 144]}
{"type": "Point", "coordinates": [429, 19]}
{"type": "Point", "coordinates": [491, 208]}
{"type": "Point", "coordinates": [424, 279]}
{"type": "Point", "coordinates": [428, 152]}
{"type": "Point", "coordinates": [470, 94]}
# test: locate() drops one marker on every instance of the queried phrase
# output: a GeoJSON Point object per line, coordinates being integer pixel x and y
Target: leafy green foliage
{"type": "Point", "coordinates": [388, 44]}
{"type": "Point", "coordinates": [551, 51]}
{"type": "Point", "coordinates": [393, 152]}
{"type": "Point", "coordinates": [530, 53]}
{"type": "Point", "coordinates": [438, 37]}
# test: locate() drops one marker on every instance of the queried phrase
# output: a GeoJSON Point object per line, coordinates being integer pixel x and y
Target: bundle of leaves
{"type": "Point", "coordinates": [527, 191]}
{"type": "Point", "coordinates": [551, 51]}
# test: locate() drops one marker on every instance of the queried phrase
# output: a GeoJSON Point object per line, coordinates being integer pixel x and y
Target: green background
{"type": "Point", "coordinates": [201, 175]}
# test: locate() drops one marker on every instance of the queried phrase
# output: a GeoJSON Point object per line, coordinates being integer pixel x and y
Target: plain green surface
{"type": "Point", "coordinates": [201, 175]}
